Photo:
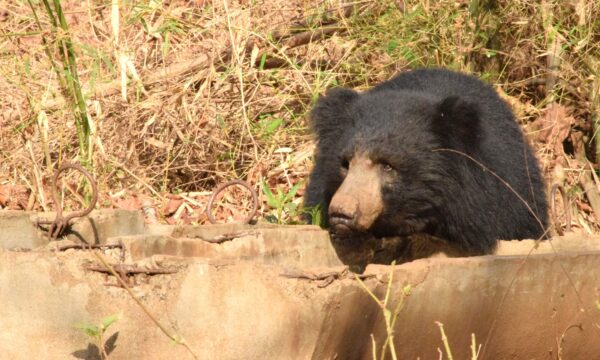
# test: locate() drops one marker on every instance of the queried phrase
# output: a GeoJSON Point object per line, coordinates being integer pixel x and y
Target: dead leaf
{"type": "Point", "coordinates": [14, 197]}
{"type": "Point", "coordinates": [584, 206]}
{"type": "Point", "coordinates": [4, 195]}
{"type": "Point", "coordinates": [554, 127]}
{"type": "Point", "coordinates": [172, 205]}
{"type": "Point", "coordinates": [129, 203]}
{"type": "Point", "coordinates": [157, 143]}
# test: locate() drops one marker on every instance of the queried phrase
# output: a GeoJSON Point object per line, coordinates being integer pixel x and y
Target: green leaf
{"type": "Point", "coordinates": [290, 195]}
{"type": "Point", "coordinates": [391, 46]}
{"type": "Point", "coordinates": [317, 218]}
{"type": "Point", "coordinates": [271, 200]}
{"type": "Point", "coordinates": [109, 320]}
{"type": "Point", "coordinates": [165, 45]}
{"type": "Point", "coordinates": [291, 208]}
{"type": "Point", "coordinates": [90, 330]}
{"type": "Point", "coordinates": [263, 60]}
{"type": "Point", "coordinates": [315, 214]}
{"type": "Point", "coordinates": [280, 196]}
{"type": "Point", "coordinates": [272, 125]}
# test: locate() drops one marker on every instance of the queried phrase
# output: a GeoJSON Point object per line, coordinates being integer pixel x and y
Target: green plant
{"type": "Point", "coordinates": [445, 340]}
{"type": "Point", "coordinates": [267, 126]}
{"type": "Point", "coordinates": [474, 348]}
{"type": "Point", "coordinates": [96, 332]}
{"type": "Point", "coordinates": [390, 316]}
{"type": "Point", "coordinates": [67, 74]}
{"type": "Point", "coordinates": [282, 202]}
{"type": "Point", "coordinates": [315, 214]}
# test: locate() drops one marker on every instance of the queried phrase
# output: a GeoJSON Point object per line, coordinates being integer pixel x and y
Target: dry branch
{"type": "Point", "coordinates": [296, 31]}
{"type": "Point", "coordinates": [174, 71]}
{"type": "Point", "coordinates": [127, 269]}
{"type": "Point", "coordinates": [299, 39]}
{"type": "Point", "coordinates": [591, 192]}
{"type": "Point", "coordinates": [288, 39]}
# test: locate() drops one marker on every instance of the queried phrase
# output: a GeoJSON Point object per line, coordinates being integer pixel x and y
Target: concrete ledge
{"type": "Point", "coordinates": [19, 229]}
{"type": "Point", "coordinates": [229, 300]}
{"type": "Point", "coordinates": [292, 246]}
{"type": "Point", "coordinates": [240, 309]}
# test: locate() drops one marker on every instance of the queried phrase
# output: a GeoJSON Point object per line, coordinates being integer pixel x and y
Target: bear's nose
{"type": "Point", "coordinates": [343, 212]}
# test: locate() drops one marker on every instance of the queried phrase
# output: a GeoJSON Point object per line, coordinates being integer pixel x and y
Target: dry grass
{"type": "Point", "coordinates": [184, 95]}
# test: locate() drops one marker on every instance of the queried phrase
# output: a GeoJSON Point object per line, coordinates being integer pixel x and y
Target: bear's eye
{"type": "Point", "coordinates": [386, 166]}
{"type": "Point", "coordinates": [345, 164]}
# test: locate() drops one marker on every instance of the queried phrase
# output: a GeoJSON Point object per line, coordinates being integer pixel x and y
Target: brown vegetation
{"type": "Point", "coordinates": [184, 95]}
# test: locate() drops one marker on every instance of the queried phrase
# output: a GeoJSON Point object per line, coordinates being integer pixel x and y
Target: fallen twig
{"type": "Point", "coordinates": [566, 205]}
{"type": "Point", "coordinates": [290, 36]}
{"type": "Point", "coordinates": [591, 192]}
{"type": "Point", "coordinates": [171, 335]}
{"type": "Point", "coordinates": [90, 246]}
{"type": "Point", "coordinates": [327, 278]}
{"type": "Point", "coordinates": [129, 269]}
{"type": "Point", "coordinates": [226, 237]}
{"type": "Point", "coordinates": [299, 39]}
{"type": "Point", "coordinates": [201, 64]}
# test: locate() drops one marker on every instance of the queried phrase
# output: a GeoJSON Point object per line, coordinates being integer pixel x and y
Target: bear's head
{"type": "Point", "coordinates": [386, 174]}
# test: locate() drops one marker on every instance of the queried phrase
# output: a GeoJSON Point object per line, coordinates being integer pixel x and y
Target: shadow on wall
{"type": "Point", "coordinates": [92, 352]}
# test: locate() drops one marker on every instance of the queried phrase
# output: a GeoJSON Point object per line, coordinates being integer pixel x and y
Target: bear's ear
{"type": "Point", "coordinates": [330, 115]}
{"type": "Point", "coordinates": [457, 122]}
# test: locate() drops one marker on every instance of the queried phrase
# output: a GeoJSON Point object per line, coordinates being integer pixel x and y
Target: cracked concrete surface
{"type": "Point", "coordinates": [228, 300]}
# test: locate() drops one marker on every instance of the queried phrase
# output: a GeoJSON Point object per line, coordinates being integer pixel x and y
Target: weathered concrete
{"type": "Point", "coordinates": [18, 229]}
{"type": "Point", "coordinates": [564, 244]}
{"type": "Point", "coordinates": [231, 310]}
{"type": "Point", "coordinates": [229, 300]}
{"type": "Point", "coordinates": [102, 225]}
{"type": "Point", "coordinates": [517, 309]}
{"type": "Point", "coordinates": [303, 246]}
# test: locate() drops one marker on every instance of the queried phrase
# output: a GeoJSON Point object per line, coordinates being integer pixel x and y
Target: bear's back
{"type": "Point", "coordinates": [502, 149]}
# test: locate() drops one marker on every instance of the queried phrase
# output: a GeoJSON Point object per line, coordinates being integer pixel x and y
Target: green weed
{"type": "Point", "coordinates": [96, 333]}
{"type": "Point", "coordinates": [66, 70]}
{"type": "Point", "coordinates": [282, 202]}
{"type": "Point", "coordinates": [267, 126]}
{"type": "Point", "coordinates": [390, 315]}
{"type": "Point", "coordinates": [315, 215]}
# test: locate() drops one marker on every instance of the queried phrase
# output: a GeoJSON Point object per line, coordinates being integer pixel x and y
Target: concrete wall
{"type": "Point", "coordinates": [229, 300]}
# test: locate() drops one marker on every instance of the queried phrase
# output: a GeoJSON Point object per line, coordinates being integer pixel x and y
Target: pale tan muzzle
{"type": "Point", "coordinates": [357, 203]}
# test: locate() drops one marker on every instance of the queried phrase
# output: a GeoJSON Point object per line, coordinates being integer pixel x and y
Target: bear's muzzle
{"type": "Point", "coordinates": [357, 203]}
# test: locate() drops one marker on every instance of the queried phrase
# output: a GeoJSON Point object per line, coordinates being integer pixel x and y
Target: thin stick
{"type": "Point", "coordinates": [485, 168]}
{"type": "Point", "coordinates": [118, 164]}
{"type": "Point", "coordinates": [474, 350]}
{"type": "Point", "coordinates": [445, 340]}
{"type": "Point", "coordinates": [241, 80]}
{"type": "Point", "coordinates": [174, 337]}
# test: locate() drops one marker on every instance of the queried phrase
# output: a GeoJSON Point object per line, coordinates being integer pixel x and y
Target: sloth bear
{"type": "Point", "coordinates": [430, 152]}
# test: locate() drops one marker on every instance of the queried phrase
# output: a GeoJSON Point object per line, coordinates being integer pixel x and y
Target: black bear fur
{"type": "Point", "coordinates": [434, 127]}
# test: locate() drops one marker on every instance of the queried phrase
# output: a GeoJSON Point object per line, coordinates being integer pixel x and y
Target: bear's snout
{"type": "Point", "coordinates": [343, 214]}
{"type": "Point", "coordinates": [357, 203]}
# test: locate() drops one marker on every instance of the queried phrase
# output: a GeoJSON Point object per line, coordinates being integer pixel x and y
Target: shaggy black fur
{"type": "Point", "coordinates": [410, 122]}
